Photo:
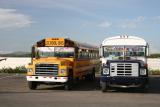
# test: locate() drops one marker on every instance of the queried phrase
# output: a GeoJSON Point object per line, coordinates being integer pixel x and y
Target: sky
{"type": "Point", "coordinates": [24, 22]}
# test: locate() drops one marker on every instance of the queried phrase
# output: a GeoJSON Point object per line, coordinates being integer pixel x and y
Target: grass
{"type": "Point", "coordinates": [20, 69]}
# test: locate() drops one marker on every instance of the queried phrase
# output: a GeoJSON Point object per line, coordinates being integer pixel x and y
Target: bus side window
{"type": "Point", "coordinates": [80, 53]}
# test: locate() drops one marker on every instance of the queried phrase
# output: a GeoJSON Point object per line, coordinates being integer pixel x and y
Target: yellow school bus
{"type": "Point", "coordinates": [61, 61]}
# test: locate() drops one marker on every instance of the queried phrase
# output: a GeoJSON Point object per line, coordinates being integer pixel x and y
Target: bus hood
{"type": "Point", "coordinates": [62, 61]}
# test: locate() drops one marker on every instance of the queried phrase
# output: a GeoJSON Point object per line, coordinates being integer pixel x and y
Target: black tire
{"type": "Point", "coordinates": [32, 85]}
{"type": "Point", "coordinates": [143, 88]}
{"type": "Point", "coordinates": [69, 84]}
{"type": "Point", "coordinates": [103, 86]}
{"type": "Point", "coordinates": [91, 76]}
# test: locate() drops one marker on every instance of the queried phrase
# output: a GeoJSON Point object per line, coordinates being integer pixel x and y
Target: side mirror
{"type": "Point", "coordinates": [147, 50]}
{"type": "Point", "coordinates": [33, 52]}
{"type": "Point", "coordinates": [100, 51]}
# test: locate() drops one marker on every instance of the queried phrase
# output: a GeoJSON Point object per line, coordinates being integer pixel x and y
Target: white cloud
{"type": "Point", "coordinates": [10, 18]}
{"type": "Point", "coordinates": [139, 19]}
{"type": "Point", "coordinates": [128, 25]}
{"type": "Point", "coordinates": [157, 18]}
{"type": "Point", "coordinates": [132, 23]}
{"type": "Point", "coordinates": [105, 24]}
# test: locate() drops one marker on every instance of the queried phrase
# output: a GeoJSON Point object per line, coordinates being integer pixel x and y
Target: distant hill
{"type": "Point", "coordinates": [28, 54]}
{"type": "Point", "coordinates": [16, 54]}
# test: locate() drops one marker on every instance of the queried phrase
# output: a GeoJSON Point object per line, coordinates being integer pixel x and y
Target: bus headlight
{"type": "Point", "coordinates": [106, 71]}
{"type": "Point", "coordinates": [143, 72]}
{"type": "Point", "coordinates": [63, 71]}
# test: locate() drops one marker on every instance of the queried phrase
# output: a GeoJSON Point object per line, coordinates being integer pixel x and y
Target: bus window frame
{"type": "Point", "coordinates": [37, 51]}
{"type": "Point", "coordinates": [124, 51]}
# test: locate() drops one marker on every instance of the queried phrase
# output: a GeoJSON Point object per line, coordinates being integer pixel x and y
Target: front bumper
{"type": "Point", "coordinates": [47, 79]}
{"type": "Point", "coordinates": [124, 82]}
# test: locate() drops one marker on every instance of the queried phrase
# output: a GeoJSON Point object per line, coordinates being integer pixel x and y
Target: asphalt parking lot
{"type": "Point", "coordinates": [15, 93]}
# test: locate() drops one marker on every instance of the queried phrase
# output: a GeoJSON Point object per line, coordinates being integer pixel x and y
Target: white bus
{"type": "Point", "coordinates": [124, 62]}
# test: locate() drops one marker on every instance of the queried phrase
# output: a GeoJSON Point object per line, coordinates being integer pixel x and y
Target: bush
{"type": "Point", "coordinates": [20, 69]}
{"type": "Point", "coordinates": [156, 55]}
{"type": "Point", "coordinates": [154, 72]}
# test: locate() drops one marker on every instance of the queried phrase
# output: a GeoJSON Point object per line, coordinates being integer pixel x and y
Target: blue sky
{"type": "Point", "coordinates": [23, 22]}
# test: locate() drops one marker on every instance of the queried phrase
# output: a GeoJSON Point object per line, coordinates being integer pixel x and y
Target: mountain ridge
{"type": "Point", "coordinates": [16, 54]}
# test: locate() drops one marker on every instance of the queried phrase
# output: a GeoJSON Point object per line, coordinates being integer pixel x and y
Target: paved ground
{"type": "Point", "coordinates": [15, 93]}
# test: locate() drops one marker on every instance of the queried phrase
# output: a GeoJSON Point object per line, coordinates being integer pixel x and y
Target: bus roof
{"type": "Point", "coordinates": [65, 42]}
{"type": "Point", "coordinates": [124, 41]}
{"type": "Point", "coordinates": [86, 46]}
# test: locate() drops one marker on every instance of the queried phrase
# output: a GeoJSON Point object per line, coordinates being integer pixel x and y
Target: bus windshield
{"type": "Point", "coordinates": [124, 51]}
{"type": "Point", "coordinates": [55, 52]}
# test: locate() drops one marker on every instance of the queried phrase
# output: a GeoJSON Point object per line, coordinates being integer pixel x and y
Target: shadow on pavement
{"type": "Point", "coordinates": [152, 88]}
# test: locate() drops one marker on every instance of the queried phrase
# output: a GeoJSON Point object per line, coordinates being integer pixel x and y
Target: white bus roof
{"type": "Point", "coordinates": [124, 40]}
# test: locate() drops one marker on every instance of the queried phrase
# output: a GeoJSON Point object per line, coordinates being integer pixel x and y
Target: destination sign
{"type": "Point", "coordinates": [54, 42]}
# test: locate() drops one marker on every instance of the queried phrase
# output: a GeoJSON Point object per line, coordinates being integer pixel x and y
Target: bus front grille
{"type": "Point", "coordinates": [46, 69]}
{"type": "Point", "coordinates": [124, 69]}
